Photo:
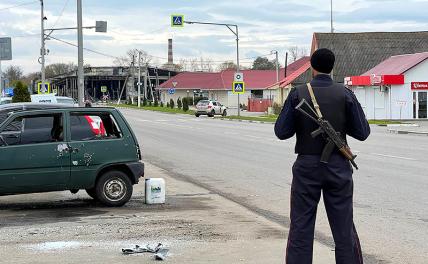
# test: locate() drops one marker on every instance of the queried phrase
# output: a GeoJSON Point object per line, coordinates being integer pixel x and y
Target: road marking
{"type": "Point", "coordinates": [391, 156]}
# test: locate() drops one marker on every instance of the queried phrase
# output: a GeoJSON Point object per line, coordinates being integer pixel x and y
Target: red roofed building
{"type": "Point", "coordinates": [395, 89]}
{"type": "Point", "coordinates": [218, 85]}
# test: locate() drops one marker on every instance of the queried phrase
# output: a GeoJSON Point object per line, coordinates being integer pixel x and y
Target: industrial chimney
{"type": "Point", "coordinates": [170, 56]}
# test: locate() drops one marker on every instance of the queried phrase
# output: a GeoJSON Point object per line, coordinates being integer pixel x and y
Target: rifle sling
{"type": "Point", "coordinates": [314, 100]}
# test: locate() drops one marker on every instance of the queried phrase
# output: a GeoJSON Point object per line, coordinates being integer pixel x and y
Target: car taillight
{"type": "Point", "coordinates": [209, 106]}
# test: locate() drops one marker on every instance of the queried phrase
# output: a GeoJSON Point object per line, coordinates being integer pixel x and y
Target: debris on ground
{"type": "Point", "coordinates": [161, 254]}
{"type": "Point", "coordinates": [159, 251]}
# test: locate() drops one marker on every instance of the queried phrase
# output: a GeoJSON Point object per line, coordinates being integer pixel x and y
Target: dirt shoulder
{"type": "Point", "coordinates": [196, 225]}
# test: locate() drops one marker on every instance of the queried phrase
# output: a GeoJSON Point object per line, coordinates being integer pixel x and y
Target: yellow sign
{"type": "Point", "coordinates": [238, 87]}
{"type": "Point", "coordinates": [45, 89]}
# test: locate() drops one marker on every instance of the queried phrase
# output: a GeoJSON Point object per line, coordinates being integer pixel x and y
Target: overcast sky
{"type": "Point", "coordinates": [264, 25]}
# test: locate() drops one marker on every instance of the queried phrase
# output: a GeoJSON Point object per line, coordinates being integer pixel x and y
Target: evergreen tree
{"type": "Point", "coordinates": [20, 93]}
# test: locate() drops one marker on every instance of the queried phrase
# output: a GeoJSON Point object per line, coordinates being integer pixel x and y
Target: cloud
{"type": "Point", "coordinates": [264, 25]}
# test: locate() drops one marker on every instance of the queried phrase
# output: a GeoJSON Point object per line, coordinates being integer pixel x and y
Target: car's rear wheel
{"type": "Point", "coordinates": [224, 113]}
{"type": "Point", "coordinates": [113, 188]}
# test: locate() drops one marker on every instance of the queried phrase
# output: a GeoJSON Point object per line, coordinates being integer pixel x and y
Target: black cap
{"type": "Point", "coordinates": [322, 60]}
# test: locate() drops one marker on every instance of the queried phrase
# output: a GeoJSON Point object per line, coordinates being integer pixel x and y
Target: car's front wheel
{"type": "Point", "coordinates": [113, 188]}
{"type": "Point", "coordinates": [197, 115]}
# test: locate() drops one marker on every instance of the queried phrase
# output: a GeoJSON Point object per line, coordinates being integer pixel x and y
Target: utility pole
{"type": "Point", "coordinates": [80, 76]}
{"type": "Point", "coordinates": [145, 83]}
{"type": "Point", "coordinates": [42, 48]}
{"type": "Point", "coordinates": [139, 78]}
{"type": "Point", "coordinates": [236, 33]}
{"type": "Point", "coordinates": [237, 62]}
{"type": "Point", "coordinates": [331, 16]}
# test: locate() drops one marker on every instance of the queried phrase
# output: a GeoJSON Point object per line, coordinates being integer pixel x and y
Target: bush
{"type": "Point", "coordinates": [179, 104]}
{"type": "Point", "coordinates": [156, 104]}
{"type": "Point", "coordinates": [21, 93]}
{"type": "Point", "coordinates": [185, 105]}
{"type": "Point", "coordinates": [144, 102]}
{"type": "Point", "coordinates": [171, 103]}
{"type": "Point", "coordinates": [189, 100]}
{"type": "Point", "coordinates": [161, 104]}
{"type": "Point", "coordinates": [276, 108]}
{"type": "Point", "coordinates": [150, 103]}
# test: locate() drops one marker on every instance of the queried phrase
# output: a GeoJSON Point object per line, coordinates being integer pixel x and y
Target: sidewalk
{"type": "Point", "coordinates": [196, 225]}
{"type": "Point", "coordinates": [416, 127]}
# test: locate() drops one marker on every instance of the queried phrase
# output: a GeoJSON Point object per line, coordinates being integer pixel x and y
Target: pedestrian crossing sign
{"type": "Point", "coordinates": [46, 88]}
{"type": "Point", "coordinates": [238, 87]}
{"type": "Point", "coordinates": [177, 20]}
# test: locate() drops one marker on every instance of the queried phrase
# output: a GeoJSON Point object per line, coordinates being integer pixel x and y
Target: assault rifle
{"type": "Point", "coordinates": [332, 137]}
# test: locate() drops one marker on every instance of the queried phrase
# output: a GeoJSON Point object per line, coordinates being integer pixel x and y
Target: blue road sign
{"type": "Point", "coordinates": [177, 20]}
{"type": "Point", "coordinates": [8, 91]}
{"type": "Point", "coordinates": [238, 87]}
{"type": "Point", "coordinates": [171, 91]}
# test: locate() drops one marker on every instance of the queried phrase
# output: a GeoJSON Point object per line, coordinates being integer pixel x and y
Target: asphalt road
{"type": "Point", "coordinates": [247, 164]}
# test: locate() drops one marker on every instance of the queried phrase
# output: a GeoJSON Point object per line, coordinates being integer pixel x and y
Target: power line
{"type": "Point", "coordinates": [18, 5]}
{"type": "Point", "coordinates": [62, 12]}
{"type": "Point", "coordinates": [90, 50]}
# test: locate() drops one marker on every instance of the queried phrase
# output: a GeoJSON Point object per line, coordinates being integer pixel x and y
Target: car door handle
{"type": "Point", "coordinates": [12, 136]}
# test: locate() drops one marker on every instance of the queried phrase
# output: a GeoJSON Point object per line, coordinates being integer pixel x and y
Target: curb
{"type": "Point", "coordinates": [396, 131]}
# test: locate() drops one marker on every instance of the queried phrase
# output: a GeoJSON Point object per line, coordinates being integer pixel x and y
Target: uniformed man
{"type": "Point", "coordinates": [340, 107]}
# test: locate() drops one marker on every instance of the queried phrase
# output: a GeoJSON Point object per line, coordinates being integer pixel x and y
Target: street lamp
{"type": "Point", "coordinates": [100, 26]}
{"type": "Point", "coordinates": [236, 33]}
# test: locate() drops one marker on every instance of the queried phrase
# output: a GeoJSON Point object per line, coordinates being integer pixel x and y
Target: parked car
{"type": "Point", "coordinates": [210, 108]}
{"type": "Point", "coordinates": [53, 99]}
{"type": "Point", "coordinates": [63, 148]}
{"type": "Point", "coordinates": [5, 100]}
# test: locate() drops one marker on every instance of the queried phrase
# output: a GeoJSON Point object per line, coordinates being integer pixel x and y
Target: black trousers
{"type": "Point", "coordinates": [334, 179]}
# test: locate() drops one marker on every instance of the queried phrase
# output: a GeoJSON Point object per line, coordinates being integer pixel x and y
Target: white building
{"type": "Point", "coordinates": [397, 88]}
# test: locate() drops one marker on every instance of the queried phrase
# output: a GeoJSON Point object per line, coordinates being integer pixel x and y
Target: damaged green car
{"type": "Point", "coordinates": [70, 149]}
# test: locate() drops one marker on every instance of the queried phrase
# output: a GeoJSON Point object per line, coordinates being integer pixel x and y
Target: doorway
{"type": "Point", "coordinates": [420, 109]}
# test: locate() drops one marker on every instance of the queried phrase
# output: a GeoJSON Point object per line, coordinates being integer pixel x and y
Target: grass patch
{"type": "Point", "coordinates": [383, 122]}
{"type": "Point", "coordinates": [156, 108]}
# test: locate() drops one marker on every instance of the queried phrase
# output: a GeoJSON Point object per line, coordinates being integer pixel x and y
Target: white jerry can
{"type": "Point", "coordinates": [155, 191]}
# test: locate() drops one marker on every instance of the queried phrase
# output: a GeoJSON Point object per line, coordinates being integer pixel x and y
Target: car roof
{"type": "Point", "coordinates": [32, 105]}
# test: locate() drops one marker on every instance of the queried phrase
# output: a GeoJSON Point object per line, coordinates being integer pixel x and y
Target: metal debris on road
{"type": "Point", "coordinates": [159, 251]}
{"type": "Point", "coordinates": [161, 254]}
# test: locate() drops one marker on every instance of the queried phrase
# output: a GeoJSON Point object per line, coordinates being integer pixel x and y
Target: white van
{"type": "Point", "coordinates": [53, 99]}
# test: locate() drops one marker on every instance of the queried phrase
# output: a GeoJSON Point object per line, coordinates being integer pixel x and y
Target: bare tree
{"type": "Point", "coordinates": [227, 65]}
{"type": "Point", "coordinates": [59, 68]}
{"type": "Point", "coordinates": [297, 52]}
{"type": "Point", "coordinates": [194, 65]}
{"type": "Point", "coordinates": [184, 64]}
{"type": "Point", "coordinates": [13, 73]}
{"type": "Point", "coordinates": [132, 56]}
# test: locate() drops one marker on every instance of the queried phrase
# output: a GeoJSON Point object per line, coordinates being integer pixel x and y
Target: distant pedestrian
{"type": "Point", "coordinates": [340, 107]}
